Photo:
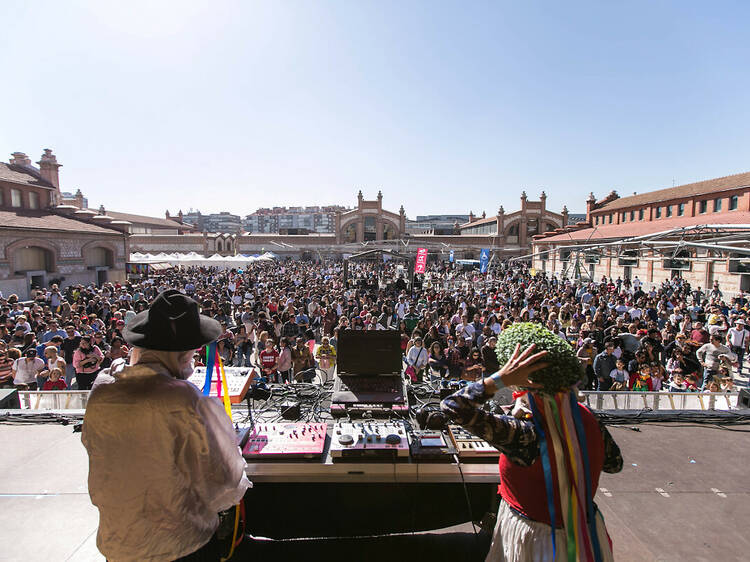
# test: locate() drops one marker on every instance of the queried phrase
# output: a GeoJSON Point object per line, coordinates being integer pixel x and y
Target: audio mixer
{"type": "Point", "coordinates": [274, 441]}
{"type": "Point", "coordinates": [385, 439]}
{"type": "Point", "coordinates": [470, 447]}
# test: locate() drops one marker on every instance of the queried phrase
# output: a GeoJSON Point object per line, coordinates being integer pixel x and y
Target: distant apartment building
{"type": "Point", "coordinates": [435, 224]}
{"type": "Point", "coordinates": [222, 222]}
{"type": "Point", "coordinates": [195, 218]}
{"type": "Point", "coordinates": [274, 220]}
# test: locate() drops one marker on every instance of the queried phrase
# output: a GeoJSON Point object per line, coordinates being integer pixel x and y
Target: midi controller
{"type": "Point", "coordinates": [238, 381]}
{"type": "Point", "coordinates": [431, 445]}
{"type": "Point", "coordinates": [470, 447]}
{"type": "Point", "coordinates": [364, 439]}
{"type": "Point", "coordinates": [275, 441]}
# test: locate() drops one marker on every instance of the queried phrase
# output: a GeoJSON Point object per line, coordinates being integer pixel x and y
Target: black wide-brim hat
{"type": "Point", "coordinates": [172, 323]}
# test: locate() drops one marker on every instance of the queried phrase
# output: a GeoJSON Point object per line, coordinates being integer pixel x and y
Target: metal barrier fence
{"type": "Point", "coordinates": [661, 400]}
{"type": "Point", "coordinates": [53, 399]}
{"type": "Point", "coordinates": [77, 399]}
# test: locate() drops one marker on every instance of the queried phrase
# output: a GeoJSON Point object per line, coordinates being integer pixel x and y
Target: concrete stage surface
{"type": "Point", "coordinates": [683, 495]}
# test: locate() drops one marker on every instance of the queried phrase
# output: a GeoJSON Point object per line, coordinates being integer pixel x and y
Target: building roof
{"type": "Point", "coordinates": [25, 176]}
{"type": "Point", "coordinates": [153, 221]}
{"type": "Point", "coordinates": [477, 222]}
{"type": "Point", "coordinates": [641, 228]}
{"type": "Point", "coordinates": [688, 190]}
{"type": "Point", "coordinates": [44, 220]}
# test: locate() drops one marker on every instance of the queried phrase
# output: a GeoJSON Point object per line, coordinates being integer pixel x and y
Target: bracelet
{"type": "Point", "coordinates": [497, 379]}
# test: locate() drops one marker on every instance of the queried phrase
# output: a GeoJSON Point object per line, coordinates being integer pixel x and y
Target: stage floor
{"type": "Point", "coordinates": [683, 495]}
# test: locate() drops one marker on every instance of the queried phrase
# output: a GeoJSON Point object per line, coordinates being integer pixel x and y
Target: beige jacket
{"type": "Point", "coordinates": [163, 461]}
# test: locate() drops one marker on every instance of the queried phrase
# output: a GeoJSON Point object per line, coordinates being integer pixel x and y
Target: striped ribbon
{"type": "Point", "coordinates": [554, 434]}
{"type": "Point", "coordinates": [576, 411]}
{"type": "Point", "coordinates": [210, 355]}
{"type": "Point", "coordinates": [546, 468]}
{"type": "Point", "coordinates": [559, 425]}
{"type": "Point", "coordinates": [223, 377]}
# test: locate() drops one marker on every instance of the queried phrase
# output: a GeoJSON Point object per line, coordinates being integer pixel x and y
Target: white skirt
{"type": "Point", "coordinates": [517, 539]}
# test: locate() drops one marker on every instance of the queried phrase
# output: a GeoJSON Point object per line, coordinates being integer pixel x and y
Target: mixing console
{"type": "Point", "coordinates": [273, 441]}
{"type": "Point", "coordinates": [369, 439]}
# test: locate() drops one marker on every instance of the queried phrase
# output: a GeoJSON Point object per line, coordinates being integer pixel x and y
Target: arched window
{"type": "Point", "coordinates": [98, 256]}
{"type": "Point", "coordinates": [389, 232]}
{"type": "Point", "coordinates": [33, 258]}
{"type": "Point", "coordinates": [370, 229]}
{"type": "Point", "coordinates": [350, 233]}
{"type": "Point", "coordinates": [512, 236]}
{"type": "Point", "coordinates": [219, 246]}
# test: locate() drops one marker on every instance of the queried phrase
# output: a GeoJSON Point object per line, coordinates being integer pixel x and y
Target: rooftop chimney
{"type": "Point", "coordinates": [20, 159]}
{"type": "Point", "coordinates": [590, 206]}
{"type": "Point", "coordinates": [48, 167]}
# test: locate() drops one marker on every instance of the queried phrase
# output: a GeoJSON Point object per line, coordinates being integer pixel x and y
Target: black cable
{"type": "Point", "coordinates": [684, 416]}
{"type": "Point", "coordinates": [35, 418]}
{"type": "Point", "coordinates": [466, 495]}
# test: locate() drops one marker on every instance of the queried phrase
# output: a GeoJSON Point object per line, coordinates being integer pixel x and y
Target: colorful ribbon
{"type": "Point", "coordinates": [214, 362]}
{"type": "Point", "coordinates": [587, 473]}
{"type": "Point", "coordinates": [562, 441]}
{"type": "Point", "coordinates": [210, 355]}
{"type": "Point", "coordinates": [223, 377]}
{"type": "Point", "coordinates": [546, 468]}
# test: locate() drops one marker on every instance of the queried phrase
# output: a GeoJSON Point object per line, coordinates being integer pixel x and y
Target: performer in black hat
{"type": "Point", "coordinates": [163, 458]}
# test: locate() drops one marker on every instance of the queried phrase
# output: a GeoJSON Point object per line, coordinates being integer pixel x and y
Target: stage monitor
{"type": "Point", "coordinates": [369, 352]}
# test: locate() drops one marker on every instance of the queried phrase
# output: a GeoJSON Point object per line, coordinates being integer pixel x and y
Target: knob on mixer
{"type": "Point", "coordinates": [346, 439]}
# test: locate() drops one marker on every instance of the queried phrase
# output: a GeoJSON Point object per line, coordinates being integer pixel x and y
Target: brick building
{"type": "Point", "coordinates": [513, 231]}
{"type": "Point", "coordinates": [43, 241]}
{"type": "Point", "coordinates": [690, 231]}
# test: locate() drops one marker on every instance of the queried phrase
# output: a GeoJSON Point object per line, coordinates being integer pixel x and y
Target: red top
{"type": "Point", "coordinates": [59, 384]}
{"type": "Point", "coordinates": [268, 358]}
{"type": "Point", "coordinates": [523, 487]}
{"type": "Point", "coordinates": [639, 384]}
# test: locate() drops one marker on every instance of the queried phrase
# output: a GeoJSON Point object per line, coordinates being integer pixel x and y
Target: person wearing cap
{"type": "Point", "coordinates": [738, 341]}
{"type": "Point", "coordinates": [26, 369]}
{"type": "Point", "coordinates": [163, 458]}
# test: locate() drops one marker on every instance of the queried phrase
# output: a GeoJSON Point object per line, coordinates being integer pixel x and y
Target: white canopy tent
{"type": "Point", "coordinates": [196, 259]}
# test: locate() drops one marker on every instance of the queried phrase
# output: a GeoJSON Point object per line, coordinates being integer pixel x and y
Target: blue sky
{"type": "Point", "coordinates": [445, 106]}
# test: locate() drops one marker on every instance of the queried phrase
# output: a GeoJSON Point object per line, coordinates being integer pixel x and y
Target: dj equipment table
{"type": "Point", "coordinates": [349, 472]}
{"type": "Point", "coordinates": [326, 496]}
{"type": "Point", "coordinates": [354, 504]}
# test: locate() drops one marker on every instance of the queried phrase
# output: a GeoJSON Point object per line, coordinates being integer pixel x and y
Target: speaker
{"type": "Point", "coordinates": [743, 400]}
{"type": "Point", "coordinates": [9, 399]}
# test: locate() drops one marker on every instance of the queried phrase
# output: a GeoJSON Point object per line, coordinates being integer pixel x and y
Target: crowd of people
{"type": "Point", "coordinates": [285, 317]}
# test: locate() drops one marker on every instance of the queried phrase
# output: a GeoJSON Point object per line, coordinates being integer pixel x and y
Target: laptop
{"type": "Point", "coordinates": [369, 367]}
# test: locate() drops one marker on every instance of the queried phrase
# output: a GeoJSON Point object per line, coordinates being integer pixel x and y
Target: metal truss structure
{"type": "Point", "coordinates": [698, 243]}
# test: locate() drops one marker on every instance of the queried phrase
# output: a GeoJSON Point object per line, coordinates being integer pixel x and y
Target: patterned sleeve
{"type": "Point", "coordinates": [515, 438]}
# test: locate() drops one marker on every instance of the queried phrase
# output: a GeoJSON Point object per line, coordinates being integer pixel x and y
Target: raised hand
{"type": "Point", "coordinates": [520, 365]}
